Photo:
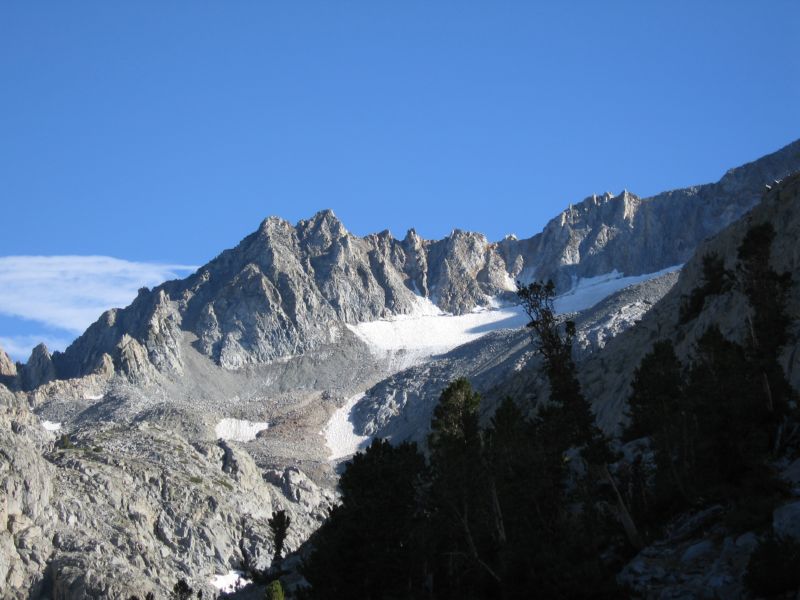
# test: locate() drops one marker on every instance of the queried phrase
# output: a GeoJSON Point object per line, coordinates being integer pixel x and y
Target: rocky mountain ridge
{"type": "Point", "coordinates": [285, 290]}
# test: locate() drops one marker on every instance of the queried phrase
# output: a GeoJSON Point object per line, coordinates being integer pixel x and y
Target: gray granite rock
{"type": "Point", "coordinates": [635, 235]}
{"type": "Point", "coordinates": [286, 289]}
{"type": "Point", "coordinates": [8, 371]}
{"type": "Point", "coordinates": [39, 369]}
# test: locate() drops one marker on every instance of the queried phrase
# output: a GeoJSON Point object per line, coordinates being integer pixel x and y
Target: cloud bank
{"type": "Point", "coordinates": [69, 293]}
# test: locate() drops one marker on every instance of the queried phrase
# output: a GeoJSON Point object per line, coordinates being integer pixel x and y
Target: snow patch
{"type": "Point", "coordinates": [93, 396]}
{"type": "Point", "coordinates": [51, 426]}
{"type": "Point", "coordinates": [238, 430]}
{"type": "Point", "coordinates": [230, 582]}
{"type": "Point", "coordinates": [588, 291]}
{"type": "Point", "coordinates": [424, 334]}
{"type": "Point", "coordinates": [410, 339]}
{"type": "Point", "coordinates": [340, 432]}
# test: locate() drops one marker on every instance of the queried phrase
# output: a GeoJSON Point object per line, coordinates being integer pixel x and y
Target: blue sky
{"type": "Point", "coordinates": [163, 133]}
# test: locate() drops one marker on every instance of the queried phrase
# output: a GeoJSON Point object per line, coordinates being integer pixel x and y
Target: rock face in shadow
{"type": "Point", "coordinates": [607, 375]}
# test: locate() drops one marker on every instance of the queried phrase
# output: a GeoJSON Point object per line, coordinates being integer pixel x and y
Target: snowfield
{"type": "Point", "coordinates": [50, 426]}
{"type": "Point", "coordinates": [407, 340]}
{"type": "Point", "coordinates": [340, 432]}
{"type": "Point", "coordinates": [429, 331]}
{"type": "Point", "coordinates": [238, 430]}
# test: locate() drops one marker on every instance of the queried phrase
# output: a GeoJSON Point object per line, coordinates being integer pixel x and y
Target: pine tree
{"type": "Point", "coordinates": [767, 292]}
{"type": "Point", "coordinates": [657, 391]}
{"type": "Point", "coordinates": [368, 548]}
{"type": "Point", "coordinates": [570, 412]}
{"type": "Point", "coordinates": [554, 341]}
{"type": "Point", "coordinates": [716, 280]}
{"type": "Point", "coordinates": [460, 487]}
{"type": "Point", "coordinates": [274, 591]}
{"type": "Point", "coordinates": [658, 408]}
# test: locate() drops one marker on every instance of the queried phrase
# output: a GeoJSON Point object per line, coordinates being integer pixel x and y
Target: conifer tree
{"type": "Point", "coordinates": [658, 408]}
{"type": "Point", "coordinates": [554, 341]}
{"type": "Point", "coordinates": [461, 487]}
{"type": "Point", "coordinates": [570, 413]}
{"type": "Point", "coordinates": [274, 591]}
{"type": "Point", "coordinates": [716, 280]}
{"type": "Point", "coordinates": [766, 291]}
{"type": "Point", "coordinates": [368, 547]}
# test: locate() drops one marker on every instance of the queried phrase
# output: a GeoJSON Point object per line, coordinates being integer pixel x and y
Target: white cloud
{"type": "Point", "coordinates": [71, 292]}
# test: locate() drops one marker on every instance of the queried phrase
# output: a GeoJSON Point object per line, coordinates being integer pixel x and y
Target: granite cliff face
{"type": "Point", "coordinates": [635, 235]}
{"type": "Point", "coordinates": [285, 290]}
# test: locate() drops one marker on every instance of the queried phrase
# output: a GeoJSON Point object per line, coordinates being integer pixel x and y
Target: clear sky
{"type": "Point", "coordinates": [165, 131]}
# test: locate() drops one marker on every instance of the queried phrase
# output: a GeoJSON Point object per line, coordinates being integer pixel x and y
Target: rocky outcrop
{"type": "Point", "coordinates": [26, 489]}
{"type": "Point", "coordinates": [8, 371]}
{"type": "Point", "coordinates": [39, 369]}
{"type": "Point", "coordinates": [123, 510]}
{"type": "Point", "coordinates": [698, 558]}
{"type": "Point", "coordinates": [635, 235]}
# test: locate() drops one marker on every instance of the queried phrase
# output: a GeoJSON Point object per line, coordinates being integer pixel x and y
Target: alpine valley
{"type": "Point", "coordinates": [159, 444]}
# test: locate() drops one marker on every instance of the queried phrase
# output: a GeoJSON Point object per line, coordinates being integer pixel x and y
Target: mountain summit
{"type": "Point", "coordinates": [285, 289]}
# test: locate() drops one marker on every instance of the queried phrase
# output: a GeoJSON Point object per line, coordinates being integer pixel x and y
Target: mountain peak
{"type": "Point", "coordinates": [324, 216]}
{"type": "Point", "coordinates": [8, 370]}
{"type": "Point", "coordinates": [322, 228]}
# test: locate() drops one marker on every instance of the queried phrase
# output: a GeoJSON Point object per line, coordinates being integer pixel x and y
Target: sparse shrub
{"type": "Point", "coordinates": [774, 567]}
{"type": "Point", "coordinates": [65, 443]}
